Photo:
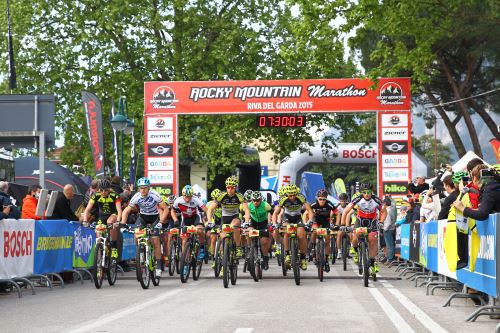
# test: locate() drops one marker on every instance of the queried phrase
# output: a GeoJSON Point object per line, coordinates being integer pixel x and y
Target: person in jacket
{"type": "Point", "coordinates": [62, 208]}
{"type": "Point", "coordinates": [453, 193]}
{"type": "Point", "coordinates": [419, 186]}
{"type": "Point", "coordinates": [30, 202]}
{"type": "Point", "coordinates": [9, 210]}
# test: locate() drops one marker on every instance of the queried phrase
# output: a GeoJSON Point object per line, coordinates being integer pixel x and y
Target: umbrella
{"type": "Point", "coordinates": [56, 176]}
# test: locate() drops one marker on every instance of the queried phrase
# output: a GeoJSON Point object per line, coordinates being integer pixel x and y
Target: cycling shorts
{"type": "Point", "coordinates": [173, 224]}
{"type": "Point", "coordinates": [148, 220]}
{"type": "Point", "coordinates": [188, 221]}
{"type": "Point", "coordinates": [366, 223]}
{"type": "Point", "coordinates": [322, 222]}
{"type": "Point", "coordinates": [262, 226]}
{"type": "Point", "coordinates": [230, 218]}
{"type": "Point", "coordinates": [104, 217]}
{"type": "Point", "coordinates": [293, 219]}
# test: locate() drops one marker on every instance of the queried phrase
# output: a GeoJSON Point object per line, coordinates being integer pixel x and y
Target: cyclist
{"type": "Point", "coordinates": [188, 206]}
{"type": "Point", "coordinates": [368, 204]}
{"type": "Point", "coordinates": [248, 195]}
{"type": "Point", "coordinates": [230, 201]}
{"type": "Point", "coordinates": [214, 223]}
{"type": "Point", "coordinates": [152, 211]}
{"type": "Point", "coordinates": [259, 218]}
{"type": "Point", "coordinates": [324, 212]}
{"type": "Point", "coordinates": [110, 211]}
{"type": "Point", "coordinates": [292, 205]}
{"type": "Point", "coordinates": [340, 209]}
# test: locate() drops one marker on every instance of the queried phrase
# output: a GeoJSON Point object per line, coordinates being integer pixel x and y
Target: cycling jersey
{"type": "Point", "coordinates": [322, 213]}
{"type": "Point", "coordinates": [188, 209]}
{"type": "Point", "coordinates": [148, 205]}
{"type": "Point", "coordinates": [217, 214]}
{"type": "Point", "coordinates": [292, 207]}
{"type": "Point", "coordinates": [259, 214]}
{"type": "Point", "coordinates": [341, 209]}
{"type": "Point", "coordinates": [367, 208]}
{"type": "Point", "coordinates": [106, 205]}
{"type": "Point", "coordinates": [230, 205]}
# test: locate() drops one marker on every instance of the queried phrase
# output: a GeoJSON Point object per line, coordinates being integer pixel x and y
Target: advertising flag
{"type": "Point", "coordinates": [93, 113]}
{"type": "Point", "coordinates": [496, 148]}
{"type": "Point", "coordinates": [12, 68]}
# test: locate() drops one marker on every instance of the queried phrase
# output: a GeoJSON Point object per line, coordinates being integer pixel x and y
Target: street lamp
{"type": "Point", "coordinates": [129, 129]}
{"type": "Point", "coordinates": [121, 123]}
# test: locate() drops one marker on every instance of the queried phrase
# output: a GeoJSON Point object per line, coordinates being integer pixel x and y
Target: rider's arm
{"type": "Point", "coordinates": [118, 204]}
{"type": "Point", "coordinates": [125, 214]}
{"type": "Point", "coordinates": [210, 210]}
{"type": "Point", "coordinates": [164, 212]}
{"type": "Point", "coordinates": [88, 209]}
{"type": "Point", "coordinates": [247, 211]}
{"type": "Point", "coordinates": [346, 214]}
{"type": "Point", "coordinates": [309, 210]}
{"type": "Point", "coordinates": [276, 212]}
{"type": "Point", "coordinates": [383, 214]}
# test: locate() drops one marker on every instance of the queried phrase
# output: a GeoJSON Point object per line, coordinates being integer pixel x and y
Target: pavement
{"type": "Point", "coordinates": [275, 304]}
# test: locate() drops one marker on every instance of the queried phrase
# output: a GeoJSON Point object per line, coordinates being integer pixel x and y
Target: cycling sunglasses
{"type": "Point", "coordinates": [322, 199]}
{"type": "Point", "coordinates": [366, 192]}
{"type": "Point", "coordinates": [230, 187]}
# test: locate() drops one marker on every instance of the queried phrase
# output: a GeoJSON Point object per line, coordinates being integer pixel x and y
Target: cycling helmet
{"type": "Point", "coordinates": [248, 195]}
{"type": "Point", "coordinates": [256, 195]}
{"type": "Point", "coordinates": [290, 190]}
{"type": "Point", "coordinates": [103, 184]}
{"type": "Point", "coordinates": [366, 186]}
{"type": "Point", "coordinates": [171, 198]}
{"type": "Point", "coordinates": [143, 182]}
{"type": "Point", "coordinates": [232, 181]}
{"type": "Point", "coordinates": [281, 191]}
{"type": "Point", "coordinates": [215, 193]}
{"type": "Point", "coordinates": [296, 188]}
{"type": "Point", "coordinates": [457, 176]}
{"type": "Point", "coordinates": [187, 191]}
{"type": "Point", "coordinates": [343, 196]}
{"type": "Point", "coordinates": [322, 193]}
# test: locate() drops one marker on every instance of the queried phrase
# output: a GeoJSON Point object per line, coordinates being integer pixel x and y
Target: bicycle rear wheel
{"type": "Point", "coordinates": [282, 255]}
{"type": "Point", "coordinates": [154, 278]}
{"type": "Point", "coordinates": [363, 256]}
{"type": "Point", "coordinates": [142, 269]}
{"type": "Point", "coordinates": [320, 258]}
{"type": "Point", "coordinates": [99, 265]}
{"type": "Point", "coordinates": [333, 248]}
{"type": "Point", "coordinates": [217, 258]}
{"type": "Point", "coordinates": [295, 260]}
{"type": "Point", "coordinates": [172, 260]}
{"type": "Point", "coordinates": [185, 264]}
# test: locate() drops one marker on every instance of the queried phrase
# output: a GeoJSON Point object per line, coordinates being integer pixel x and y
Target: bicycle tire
{"type": "Point", "coordinates": [152, 273]}
{"type": "Point", "coordinates": [345, 250]}
{"type": "Point", "coordinates": [217, 258]}
{"type": "Point", "coordinates": [364, 257]}
{"type": "Point", "coordinates": [172, 258]}
{"type": "Point", "coordinates": [295, 260]}
{"type": "Point", "coordinates": [111, 270]}
{"type": "Point", "coordinates": [251, 263]}
{"type": "Point", "coordinates": [233, 265]}
{"type": "Point", "coordinates": [197, 264]}
{"type": "Point", "coordinates": [284, 269]}
{"type": "Point", "coordinates": [178, 253]}
{"type": "Point", "coordinates": [99, 269]}
{"type": "Point", "coordinates": [225, 263]}
{"type": "Point", "coordinates": [142, 269]}
{"type": "Point", "coordinates": [259, 260]}
{"type": "Point", "coordinates": [320, 258]}
{"type": "Point", "coordinates": [333, 248]}
{"type": "Point", "coordinates": [185, 262]}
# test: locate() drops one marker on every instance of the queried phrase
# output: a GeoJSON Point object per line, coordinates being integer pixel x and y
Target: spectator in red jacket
{"type": "Point", "coordinates": [30, 202]}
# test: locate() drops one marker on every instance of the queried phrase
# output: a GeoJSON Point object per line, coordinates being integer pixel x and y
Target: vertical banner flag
{"type": "Point", "coordinates": [12, 68]}
{"type": "Point", "coordinates": [93, 113]}
{"type": "Point", "coordinates": [133, 162]}
{"type": "Point", "coordinates": [115, 142]}
{"type": "Point", "coordinates": [496, 148]}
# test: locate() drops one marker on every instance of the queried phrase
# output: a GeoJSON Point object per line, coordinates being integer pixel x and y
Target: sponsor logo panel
{"type": "Point", "coordinates": [394, 161]}
{"type": "Point", "coordinates": [392, 120]}
{"type": "Point", "coordinates": [160, 150]}
{"type": "Point", "coordinates": [160, 137]}
{"type": "Point", "coordinates": [394, 133]}
{"type": "Point", "coordinates": [161, 177]}
{"type": "Point", "coordinates": [395, 174]}
{"type": "Point", "coordinates": [160, 163]}
{"type": "Point", "coordinates": [164, 190]}
{"type": "Point", "coordinates": [392, 147]}
{"type": "Point", "coordinates": [395, 187]}
{"type": "Point", "coordinates": [163, 98]}
{"type": "Point", "coordinates": [160, 123]}
{"type": "Point", "coordinates": [391, 93]}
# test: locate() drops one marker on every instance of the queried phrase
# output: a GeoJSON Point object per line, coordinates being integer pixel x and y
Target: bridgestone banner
{"type": "Point", "coordinates": [17, 248]}
{"type": "Point", "coordinates": [93, 114]}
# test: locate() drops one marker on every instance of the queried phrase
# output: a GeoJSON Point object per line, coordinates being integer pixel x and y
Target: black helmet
{"type": "Point", "coordinates": [366, 186]}
{"type": "Point", "coordinates": [343, 196]}
{"type": "Point", "coordinates": [103, 184]}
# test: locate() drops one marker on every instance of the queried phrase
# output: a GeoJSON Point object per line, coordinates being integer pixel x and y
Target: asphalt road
{"type": "Point", "coordinates": [275, 304]}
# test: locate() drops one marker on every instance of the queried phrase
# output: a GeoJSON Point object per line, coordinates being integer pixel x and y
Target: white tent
{"type": "Point", "coordinates": [461, 164]}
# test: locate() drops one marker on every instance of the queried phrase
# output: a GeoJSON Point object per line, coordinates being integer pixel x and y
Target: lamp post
{"type": "Point", "coordinates": [121, 123]}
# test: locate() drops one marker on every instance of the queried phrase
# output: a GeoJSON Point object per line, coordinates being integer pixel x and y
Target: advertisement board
{"type": "Point", "coordinates": [53, 246]}
{"type": "Point", "coordinates": [17, 248]}
{"type": "Point", "coordinates": [83, 246]}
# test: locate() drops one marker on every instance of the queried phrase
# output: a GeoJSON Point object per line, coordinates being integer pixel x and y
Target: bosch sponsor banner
{"type": "Point", "coordinates": [17, 248]}
{"type": "Point", "coordinates": [414, 242]}
{"type": "Point", "coordinates": [160, 163]}
{"type": "Point", "coordinates": [395, 188]}
{"type": "Point", "coordinates": [362, 153]}
{"type": "Point", "coordinates": [280, 96]}
{"type": "Point", "coordinates": [161, 177]}
{"type": "Point", "coordinates": [395, 147]}
{"type": "Point", "coordinates": [160, 123]}
{"type": "Point", "coordinates": [395, 133]}
{"type": "Point", "coordinates": [160, 137]}
{"type": "Point", "coordinates": [405, 241]}
{"type": "Point", "coordinates": [442, 264]}
{"type": "Point", "coordinates": [395, 174]}
{"type": "Point", "coordinates": [83, 246]}
{"type": "Point", "coordinates": [394, 120]}
{"type": "Point", "coordinates": [93, 114]}
{"type": "Point", "coordinates": [397, 251]}
{"type": "Point", "coordinates": [128, 247]}
{"type": "Point", "coordinates": [395, 161]}
{"type": "Point", "coordinates": [429, 245]}
{"type": "Point", "coordinates": [483, 277]}
{"type": "Point", "coordinates": [53, 246]}
{"type": "Point", "coordinates": [161, 150]}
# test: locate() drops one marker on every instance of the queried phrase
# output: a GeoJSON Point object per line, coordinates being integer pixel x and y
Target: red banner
{"type": "Point", "coordinates": [496, 148]}
{"type": "Point", "coordinates": [281, 96]}
{"type": "Point", "coordinates": [93, 114]}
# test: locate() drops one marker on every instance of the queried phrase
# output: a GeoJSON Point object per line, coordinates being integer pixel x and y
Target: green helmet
{"type": "Point", "coordinates": [215, 193]}
{"type": "Point", "coordinates": [457, 176]}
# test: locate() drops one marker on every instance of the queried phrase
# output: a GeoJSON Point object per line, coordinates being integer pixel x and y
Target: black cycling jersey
{"type": "Point", "coordinates": [106, 205]}
{"type": "Point", "coordinates": [322, 213]}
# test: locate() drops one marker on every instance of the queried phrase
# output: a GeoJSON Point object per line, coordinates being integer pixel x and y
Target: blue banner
{"type": "Point", "coordinates": [405, 241]}
{"type": "Point", "coordinates": [83, 246]}
{"type": "Point", "coordinates": [310, 183]}
{"type": "Point", "coordinates": [53, 246]}
{"type": "Point", "coordinates": [484, 276]}
{"type": "Point", "coordinates": [429, 246]}
{"type": "Point", "coordinates": [128, 248]}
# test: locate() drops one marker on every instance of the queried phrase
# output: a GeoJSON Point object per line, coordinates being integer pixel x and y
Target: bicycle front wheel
{"type": "Point", "coordinates": [99, 265]}
{"type": "Point", "coordinates": [233, 265]}
{"type": "Point", "coordinates": [320, 258]}
{"type": "Point", "coordinates": [142, 269]}
{"type": "Point", "coordinates": [225, 262]}
{"type": "Point", "coordinates": [185, 264]}
{"type": "Point", "coordinates": [172, 260]}
{"type": "Point", "coordinates": [345, 251]}
{"type": "Point", "coordinates": [295, 260]}
{"type": "Point", "coordinates": [197, 263]}
{"type": "Point", "coordinates": [111, 270]}
{"type": "Point", "coordinates": [363, 256]}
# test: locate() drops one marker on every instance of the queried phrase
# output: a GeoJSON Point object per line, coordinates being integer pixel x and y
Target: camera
{"type": "Point", "coordinates": [409, 196]}
{"type": "Point", "coordinates": [466, 179]}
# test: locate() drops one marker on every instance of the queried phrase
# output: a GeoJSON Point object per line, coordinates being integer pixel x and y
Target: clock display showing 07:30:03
{"type": "Point", "coordinates": [281, 121]}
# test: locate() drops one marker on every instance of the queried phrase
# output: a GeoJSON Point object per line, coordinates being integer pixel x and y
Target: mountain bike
{"type": "Point", "coordinates": [189, 257]}
{"type": "Point", "coordinates": [104, 264]}
{"type": "Point", "coordinates": [363, 263]}
{"type": "Point", "coordinates": [175, 252]}
{"type": "Point", "coordinates": [229, 261]}
{"type": "Point", "coordinates": [255, 261]}
{"type": "Point", "coordinates": [291, 230]}
{"type": "Point", "coordinates": [345, 245]}
{"type": "Point", "coordinates": [218, 252]}
{"type": "Point", "coordinates": [333, 244]}
{"type": "Point", "coordinates": [321, 234]}
{"type": "Point", "coordinates": [282, 255]}
{"type": "Point", "coordinates": [145, 259]}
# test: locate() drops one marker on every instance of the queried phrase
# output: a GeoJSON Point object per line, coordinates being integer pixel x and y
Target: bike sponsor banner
{"type": "Point", "coordinates": [53, 246]}
{"type": "Point", "coordinates": [395, 188]}
{"type": "Point", "coordinates": [160, 123]}
{"type": "Point", "coordinates": [442, 264]}
{"type": "Point", "coordinates": [405, 241]}
{"type": "Point", "coordinates": [398, 242]}
{"type": "Point", "coordinates": [83, 246]}
{"type": "Point", "coordinates": [484, 276]}
{"type": "Point", "coordinates": [93, 114]}
{"type": "Point", "coordinates": [429, 245]}
{"type": "Point", "coordinates": [160, 163]}
{"type": "Point", "coordinates": [128, 247]}
{"type": "Point", "coordinates": [160, 150]}
{"type": "Point", "coordinates": [414, 242]}
{"type": "Point", "coordinates": [161, 177]}
{"type": "Point", "coordinates": [17, 248]}
{"type": "Point", "coordinates": [279, 96]}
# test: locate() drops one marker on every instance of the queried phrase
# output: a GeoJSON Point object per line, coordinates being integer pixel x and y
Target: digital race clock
{"type": "Point", "coordinates": [281, 121]}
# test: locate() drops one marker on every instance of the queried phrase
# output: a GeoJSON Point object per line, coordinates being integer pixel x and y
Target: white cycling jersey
{"type": "Point", "coordinates": [148, 205]}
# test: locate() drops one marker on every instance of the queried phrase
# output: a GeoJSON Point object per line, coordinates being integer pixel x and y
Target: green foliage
{"type": "Point", "coordinates": [432, 150]}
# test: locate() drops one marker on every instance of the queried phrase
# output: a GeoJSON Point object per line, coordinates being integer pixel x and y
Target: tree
{"type": "Point", "coordinates": [432, 149]}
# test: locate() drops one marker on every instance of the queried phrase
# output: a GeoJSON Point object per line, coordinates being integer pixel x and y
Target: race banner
{"type": "Point", "coordinates": [17, 248]}
{"type": "Point", "coordinates": [405, 241]}
{"type": "Point", "coordinates": [93, 114]}
{"type": "Point", "coordinates": [83, 246]}
{"type": "Point", "coordinates": [495, 144]}
{"type": "Point", "coordinates": [128, 247]}
{"type": "Point", "coordinates": [53, 246]}
{"type": "Point", "coordinates": [278, 96]}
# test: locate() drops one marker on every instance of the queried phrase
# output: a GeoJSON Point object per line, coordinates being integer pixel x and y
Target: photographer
{"type": "Point", "coordinates": [488, 180]}
{"type": "Point", "coordinates": [418, 186]}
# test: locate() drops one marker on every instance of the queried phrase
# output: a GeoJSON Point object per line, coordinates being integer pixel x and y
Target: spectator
{"type": "Point", "coordinates": [472, 186]}
{"type": "Point", "coordinates": [95, 210]}
{"type": "Point", "coordinates": [431, 206]}
{"type": "Point", "coordinates": [390, 229]}
{"type": "Point", "coordinates": [30, 202]}
{"type": "Point", "coordinates": [419, 186]}
{"type": "Point", "coordinates": [403, 210]}
{"type": "Point", "coordinates": [453, 193]}
{"type": "Point", "coordinates": [489, 200]}
{"type": "Point", "coordinates": [62, 208]}
{"type": "Point", "coordinates": [115, 184]}
{"type": "Point", "coordinates": [9, 211]}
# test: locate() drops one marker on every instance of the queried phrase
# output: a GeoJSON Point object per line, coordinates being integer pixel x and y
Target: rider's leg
{"type": "Point", "coordinates": [327, 245]}
{"type": "Point", "coordinates": [237, 231]}
{"type": "Point", "coordinates": [372, 245]}
{"type": "Point", "coordinates": [213, 240]}
{"type": "Point", "coordinates": [301, 235]}
{"type": "Point", "coordinates": [266, 243]}
{"type": "Point", "coordinates": [157, 248]}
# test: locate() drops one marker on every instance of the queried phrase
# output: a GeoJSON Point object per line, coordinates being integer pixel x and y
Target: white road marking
{"type": "Point", "coordinates": [398, 321]}
{"type": "Point", "coordinates": [244, 330]}
{"type": "Point", "coordinates": [108, 318]}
